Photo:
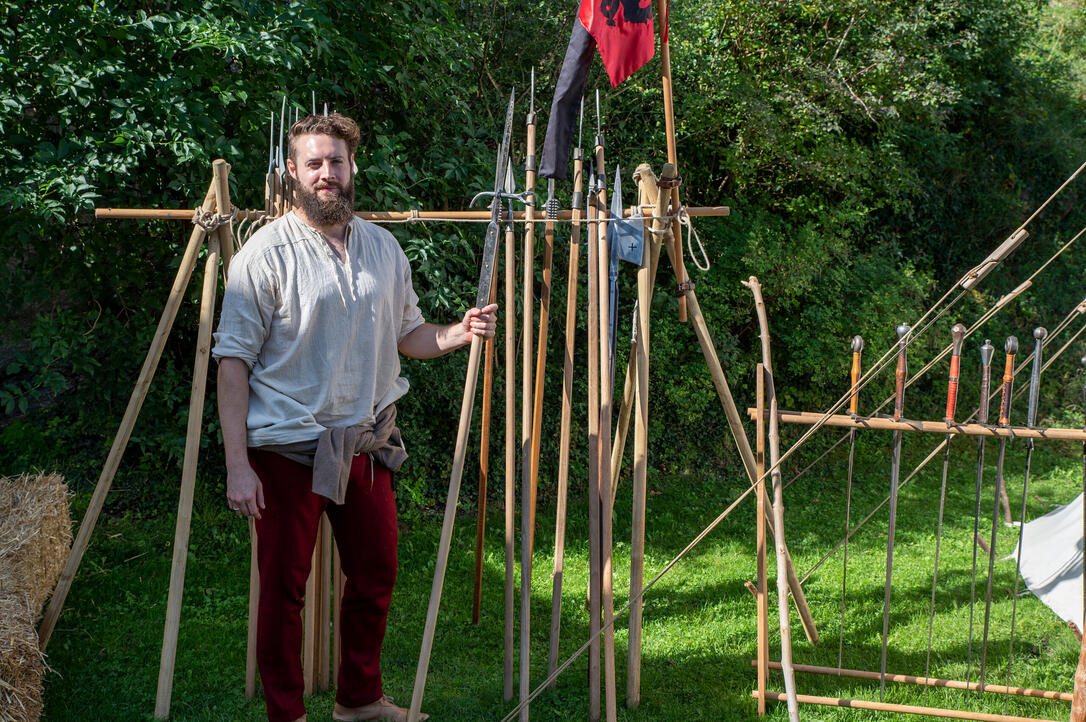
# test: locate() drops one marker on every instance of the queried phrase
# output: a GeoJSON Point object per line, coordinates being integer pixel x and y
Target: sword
{"type": "Point", "coordinates": [853, 408]}
{"type": "Point", "coordinates": [486, 277]}
{"type": "Point", "coordinates": [1011, 348]}
{"type": "Point", "coordinates": [895, 470]}
{"type": "Point", "coordinates": [957, 334]}
{"type": "Point", "coordinates": [987, 351]}
{"type": "Point", "coordinates": [1039, 335]}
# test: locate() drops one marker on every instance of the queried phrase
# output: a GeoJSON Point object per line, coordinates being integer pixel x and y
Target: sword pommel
{"type": "Point", "coordinates": [857, 349]}
{"type": "Point", "coordinates": [1011, 347]}
{"type": "Point", "coordinates": [1040, 333]}
{"type": "Point", "coordinates": [958, 335]}
{"type": "Point", "coordinates": [987, 351]}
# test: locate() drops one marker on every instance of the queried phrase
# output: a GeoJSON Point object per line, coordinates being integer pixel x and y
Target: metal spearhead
{"type": "Point", "coordinates": [282, 122]}
{"type": "Point", "coordinates": [271, 144]}
{"type": "Point", "coordinates": [531, 100]}
{"type": "Point", "coordinates": [486, 272]}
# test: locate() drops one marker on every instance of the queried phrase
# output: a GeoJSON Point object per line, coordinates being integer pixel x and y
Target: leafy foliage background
{"type": "Point", "coordinates": [871, 153]}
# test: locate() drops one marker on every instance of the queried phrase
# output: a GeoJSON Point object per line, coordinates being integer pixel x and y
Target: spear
{"type": "Point", "coordinates": [986, 353]}
{"type": "Point", "coordinates": [486, 278]}
{"type": "Point", "coordinates": [1010, 348]}
{"type": "Point", "coordinates": [895, 470]}
{"type": "Point", "coordinates": [957, 334]}
{"type": "Point", "coordinates": [1039, 335]}
{"type": "Point", "coordinates": [853, 408]}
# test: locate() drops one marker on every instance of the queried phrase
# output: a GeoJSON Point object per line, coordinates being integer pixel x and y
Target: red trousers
{"type": "Point", "coordinates": [365, 531]}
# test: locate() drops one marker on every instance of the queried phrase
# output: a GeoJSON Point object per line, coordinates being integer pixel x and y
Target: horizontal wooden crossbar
{"type": "Point", "coordinates": [926, 681]}
{"type": "Point", "coordinates": [185, 214]}
{"type": "Point", "coordinates": [930, 427]}
{"type": "Point", "coordinates": [903, 708]}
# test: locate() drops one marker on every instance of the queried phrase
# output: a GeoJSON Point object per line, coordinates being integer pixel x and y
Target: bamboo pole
{"type": "Point", "coordinates": [761, 590]}
{"type": "Point", "coordinates": [445, 543]}
{"type": "Point", "coordinates": [185, 214]}
{"type": "Point", "coordinates": [510, 453]}
{"type": "Point", "coordinates": [640, 487]}
{"type": "Point", "coordinates": [928, 427]}
{"type": "Point", "coordinates": [778, 501]}
{"type": "Point", "coordinates": [564, 428]}
{"type": "Point", "coordinates": [931, 682]}
{"type": "Point", "coordinates": [254, 605]}
{"type": "Point", "coordinates": [124, 432]}
{"type": "Point", "coordinates": [183, 526]}
{"type": "Point", "coordinates": [903, 708]}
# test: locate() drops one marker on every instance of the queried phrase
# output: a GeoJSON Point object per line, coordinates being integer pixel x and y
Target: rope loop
{"type": "Point", "coordinates": [684, 219]}
{"type": "Point", "coordinates": [209, 221]}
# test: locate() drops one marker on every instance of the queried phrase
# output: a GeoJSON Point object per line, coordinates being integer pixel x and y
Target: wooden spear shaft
{"type": "Point", "coordinates": [593, 462]}
{"type": "Point", "coordinates": [564, 428]}
{"type": "Point", "coordinates": [484, 467]}
{"type": "Point", "coordinates": [124, 433]}
{"type": "Point", "coordinates": [510, 453]}
{"type": "Point", "coordinates": [183, 525]}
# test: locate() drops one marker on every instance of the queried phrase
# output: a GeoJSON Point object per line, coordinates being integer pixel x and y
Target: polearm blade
{"type": "Point", "coordinates": [1039, 335]}
{"type": "Point", "coordinates": [987, 351]}
{"type": "Point", "coordinates": [853, 409]}
{"type": "Point", "coordinates": [957, 335]}
{"type": "Point", "coordinates": [486, 277]}
{"type": "Point", "coordinates": [1010, 349]}
{"type": "Point", "coordinates": [895, 471]}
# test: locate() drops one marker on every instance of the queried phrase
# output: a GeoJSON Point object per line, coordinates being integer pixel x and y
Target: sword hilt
{"type": "Point", "coordinates": [857, 349]}
{"type": "Point", "coordinates": [1039, 335]}
{"type": "Point", "coordinates": [987, 351]}
{"type": "Point", "coordinates": [901, 372]}
{"type": "Point", "coordinates": [958, 335]}
{"type": "Point", "coordinates": [1011, 348]}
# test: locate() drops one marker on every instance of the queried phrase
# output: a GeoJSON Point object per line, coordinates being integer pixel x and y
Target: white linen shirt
{"type": "Point", "coordinates": [319, 335]}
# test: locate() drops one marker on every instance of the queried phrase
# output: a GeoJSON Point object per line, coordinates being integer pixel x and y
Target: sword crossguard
{"type": "Point", "coordinates": [527, 197]}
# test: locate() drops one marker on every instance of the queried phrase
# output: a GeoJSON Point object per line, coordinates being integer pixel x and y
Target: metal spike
{"type": "Point", "coordinates": [599, 126]}
{"type": "Point", "coordinates": [510, 182]}
{"type": "Point", "coordinates": [271, 143]}
{"type": "Point", "coordinates": [282, 123]}
{"type": "Point", "coordinates": [326, 110]}
{"type": "Point", "coordinates": [314, 98]}
{"type": "Point", "coordinates": [531, 94]}
{"type": "Point", "coordinates": [580, 124]}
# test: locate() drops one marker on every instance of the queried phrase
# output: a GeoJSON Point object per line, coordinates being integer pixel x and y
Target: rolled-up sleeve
{"type": "Point", "coordinates": [412, 316]}
{"type": "Point", "coordinates": [247, 309]}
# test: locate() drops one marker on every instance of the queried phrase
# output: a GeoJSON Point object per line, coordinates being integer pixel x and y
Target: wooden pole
{"type": "Point", "coordinates": [484, 467]}
{"type": "Point", "coordinates": [930, 682]}
{"type": "Point", "coordinates": [326, 582]}
{"type": "Point", "coordinates": [120, 441]}
{"type": "Point", "coordinates": [1078, 702]}
{"type": "Point", "coordinates": [928, 427]}
{"type": "Point", "coordinates": [675, 248]}
{"type": "Point", "coordinates": [528, 491]}
{"type": "Point", "coordinates": [309, 619]}
{"type": "Point", "coordinates": [903, 708]}
{"type": "Point", "coordinates": [604, 457]}
{"type": "Point", "coordinates": [778, 503]}
{"type": "Point", "coordinates": [337, 605]}
{"type": "Point", "coordinates": [254, 605]}
{"type": "Point", "coordinates": [510, 453]}
{"type": "Point", "coordinates": [761, 596]}
{"type": "Point", "coordinates": [564, 428]}
{"type": "Point", "coordinates": [541, 360]}
{"type": "Point", "coordinates": [640, 486]}
{"type": "Point", "coordinates": [185, 214]}
{"type": "Point", "coordinates": [445, 544]}
{"type": "Point", "coordinates": [594, 450]}
{"type": "Point", "coordinates": [182, 528]}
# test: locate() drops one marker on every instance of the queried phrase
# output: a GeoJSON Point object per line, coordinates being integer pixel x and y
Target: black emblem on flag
{"type": "Point", "coordinates": [631, 10]}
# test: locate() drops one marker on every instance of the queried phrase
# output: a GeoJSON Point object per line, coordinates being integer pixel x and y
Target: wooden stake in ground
{"type": "Point", "coordinates": [675, 248]}
{"type": "Point", "coordinates": [761, 590]}
{"type": "Point", "coordinates": [120, 441]}
{"type": "Point", "coordinates": [593, 456]}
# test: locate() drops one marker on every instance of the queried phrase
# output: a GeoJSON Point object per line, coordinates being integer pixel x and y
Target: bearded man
{"type": "Point", "coordinates": [318, 306]}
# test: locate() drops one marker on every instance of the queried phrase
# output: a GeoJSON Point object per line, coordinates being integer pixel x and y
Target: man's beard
{"type": "Point", "coordinates": [324, 210]}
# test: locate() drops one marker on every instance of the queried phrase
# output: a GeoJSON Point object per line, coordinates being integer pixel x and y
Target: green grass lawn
{"type": "Point", "coordinates": [699, 620]}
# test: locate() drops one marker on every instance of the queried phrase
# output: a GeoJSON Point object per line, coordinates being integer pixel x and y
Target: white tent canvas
{"type": "Point", "coordinates": [1052, 560]}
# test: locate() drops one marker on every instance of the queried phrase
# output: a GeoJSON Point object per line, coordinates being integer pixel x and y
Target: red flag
{"type": "Point", "coordinates": [623, 33]}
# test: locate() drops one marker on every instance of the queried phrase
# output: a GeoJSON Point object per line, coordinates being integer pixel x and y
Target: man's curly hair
{"type": "Point", "coordinates": [334, 125]}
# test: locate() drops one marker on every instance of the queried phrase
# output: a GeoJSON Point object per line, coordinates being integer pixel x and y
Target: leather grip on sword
{"type": "Point", "coordinates": [901, 371]}
{"type": "Point", "coordinates": [857, 349]}
{"type": "Point", "coordinates": [1011, 348]}
{"type": "Point", "coordinates": [958, 334]}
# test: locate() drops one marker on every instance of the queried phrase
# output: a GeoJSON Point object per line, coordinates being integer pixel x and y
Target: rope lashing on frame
{"type": "Point", "coordinates": [209, 221]}
{"type": "Point", "coordinates": [684, 219]}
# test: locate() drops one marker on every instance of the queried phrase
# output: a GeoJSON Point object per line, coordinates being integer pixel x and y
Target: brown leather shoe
{"type": "Point", "coordinates": [382, 709]}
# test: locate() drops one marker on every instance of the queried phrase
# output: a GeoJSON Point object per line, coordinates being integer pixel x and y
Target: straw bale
{"type": "Point", "coordinates": [21, 663]}
{"type": "Point", "coordinates": [35, 535]}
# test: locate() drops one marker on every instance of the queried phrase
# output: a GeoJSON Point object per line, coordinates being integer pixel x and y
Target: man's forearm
{"type": "Point", "coordinates": [233, 393]}
{"type": "Point", "coordinates": [430, 340]}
